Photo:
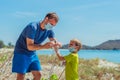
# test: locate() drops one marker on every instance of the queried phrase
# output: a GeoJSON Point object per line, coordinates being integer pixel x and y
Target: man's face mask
{"type": "Point", "coordinates": [48, 26]}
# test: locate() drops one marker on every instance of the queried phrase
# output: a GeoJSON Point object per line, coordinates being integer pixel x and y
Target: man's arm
{"type": "Point", "coordinates": [52, 39]}
{"type": "Point", "coordinates": [31, 46]}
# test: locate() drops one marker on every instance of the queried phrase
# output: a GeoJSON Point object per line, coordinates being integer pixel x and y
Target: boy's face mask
{"type": "Point", "coordinates": [72, 49]}
{"type": "Point", "coordinates": [48, 26]}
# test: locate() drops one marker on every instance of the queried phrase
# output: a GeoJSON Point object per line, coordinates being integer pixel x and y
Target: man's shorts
{"type": "Point", "coordinates": [23, 63]}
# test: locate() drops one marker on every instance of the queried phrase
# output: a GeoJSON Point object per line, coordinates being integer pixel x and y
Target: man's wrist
{"type": "Point", "coordinates": [41, 46]}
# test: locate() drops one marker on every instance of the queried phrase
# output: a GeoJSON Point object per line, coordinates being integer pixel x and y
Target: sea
{"type": "Point", "coordinates": [109, 55]}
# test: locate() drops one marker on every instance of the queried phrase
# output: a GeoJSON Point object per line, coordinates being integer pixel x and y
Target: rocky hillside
{"type": "Point", "coordinates": [108, 45]}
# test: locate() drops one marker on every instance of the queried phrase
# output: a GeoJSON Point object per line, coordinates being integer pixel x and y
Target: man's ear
{"type": "Point", "coordinates": [46, 19]}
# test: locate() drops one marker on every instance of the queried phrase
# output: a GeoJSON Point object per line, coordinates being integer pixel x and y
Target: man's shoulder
{"type": "Point", "coordinates": [33, 25]}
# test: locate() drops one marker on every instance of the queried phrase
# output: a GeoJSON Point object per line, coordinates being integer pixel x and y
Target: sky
{"type": "Point", "coordinates": [91, 21]}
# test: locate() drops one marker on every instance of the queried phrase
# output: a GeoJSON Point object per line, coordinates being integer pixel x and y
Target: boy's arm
{"type": "Point", "coordinates": [60, 57]}
{"type": "Point", "coordinates": [58, 54]}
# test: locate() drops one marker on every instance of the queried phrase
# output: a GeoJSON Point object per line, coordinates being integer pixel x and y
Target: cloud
{"type": "Point", "coordinates": [24, 14]}
{"type": "Point", "coordinates": [93, 5]}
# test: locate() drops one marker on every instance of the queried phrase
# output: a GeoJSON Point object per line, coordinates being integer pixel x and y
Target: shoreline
{"type": "Point", "coordinates": [96, 64]}
{"type": "Point", "coordinates": [5, 50]}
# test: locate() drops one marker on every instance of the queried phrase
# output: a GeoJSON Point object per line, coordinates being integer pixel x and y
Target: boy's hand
{"type": "Point", "coordinates": [58, 44]}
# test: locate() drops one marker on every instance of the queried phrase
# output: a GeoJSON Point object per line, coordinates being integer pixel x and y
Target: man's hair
{"type": "Point", "coordinates": [52, 15]}
{"type": "Point", "coordinates": [77, 43]}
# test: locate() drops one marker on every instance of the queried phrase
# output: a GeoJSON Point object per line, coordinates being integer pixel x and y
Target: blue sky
{"type": "Point", "coordinates": [91, 21]}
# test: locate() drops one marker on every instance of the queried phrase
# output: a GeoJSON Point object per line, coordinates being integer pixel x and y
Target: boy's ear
{"type": "Point", "coordinates": [77, 47]}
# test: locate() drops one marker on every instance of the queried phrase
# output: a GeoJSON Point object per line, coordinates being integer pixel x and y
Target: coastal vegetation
{"type": "Point", "coordinates": [9, 45]}
{"type": "Point", "coordinates": [94, 69]}
{"type": "Point", "coordinates": [89, 69]}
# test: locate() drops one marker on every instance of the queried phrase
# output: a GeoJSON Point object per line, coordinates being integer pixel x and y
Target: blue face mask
{"type": "Point", "coordinates": [71, 49]}
{"type": "Point", "coordinates": [48, 26]}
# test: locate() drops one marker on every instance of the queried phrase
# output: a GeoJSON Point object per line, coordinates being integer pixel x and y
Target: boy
{"type": "Point", "coordinates": [72, 61]}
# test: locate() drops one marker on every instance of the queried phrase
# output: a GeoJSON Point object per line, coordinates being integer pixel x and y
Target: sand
{"type": "Point", "coordinates": [47, 69]}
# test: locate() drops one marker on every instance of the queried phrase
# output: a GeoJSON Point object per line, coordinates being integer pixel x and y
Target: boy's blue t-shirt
{"type": "Point", "coordinates": [32, 31]}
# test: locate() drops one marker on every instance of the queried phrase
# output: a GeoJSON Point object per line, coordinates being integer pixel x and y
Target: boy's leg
{"type": "Point", "coordinates": [20, 76]}
{"type": "Point", "coordinates": [36, 75]}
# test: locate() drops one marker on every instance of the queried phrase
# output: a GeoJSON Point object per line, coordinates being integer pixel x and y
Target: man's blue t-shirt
{"type": "Point", "coordinates": [32, 31]}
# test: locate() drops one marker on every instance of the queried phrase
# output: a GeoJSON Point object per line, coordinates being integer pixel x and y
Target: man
{"type": "Point", "coordinates": [25, 58]}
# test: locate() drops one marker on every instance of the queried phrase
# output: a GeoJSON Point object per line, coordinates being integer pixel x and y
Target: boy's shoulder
{"type": "Point", "coordinates": [73, 55]}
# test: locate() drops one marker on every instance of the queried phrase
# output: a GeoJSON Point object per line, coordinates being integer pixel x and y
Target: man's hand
{"type": "Point", "coordinates": [56, 42]}
{"type": "Point", "coordinates": [48, 45]}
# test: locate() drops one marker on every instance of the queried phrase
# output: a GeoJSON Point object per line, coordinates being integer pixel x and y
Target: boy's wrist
{"type": "Point", "coordinates": [57, 51]}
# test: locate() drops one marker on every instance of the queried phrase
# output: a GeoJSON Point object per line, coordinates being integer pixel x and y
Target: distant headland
{"type": "Point", "coordinates": [107, 45]}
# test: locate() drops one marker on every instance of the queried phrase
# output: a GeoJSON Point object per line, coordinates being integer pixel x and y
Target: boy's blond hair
{"type": "Point", "coordinates": [77, 43]}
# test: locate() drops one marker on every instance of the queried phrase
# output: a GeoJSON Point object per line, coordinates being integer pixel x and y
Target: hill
{"type": "Point", "coordinates": [107, 45]}
{"type": "Point", "coordinates": [110, 44]}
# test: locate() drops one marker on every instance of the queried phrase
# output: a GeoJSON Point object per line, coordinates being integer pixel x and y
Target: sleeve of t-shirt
{"type": "Point", "coordinates": [30, 31]}
{"type": "Point", "coordinates": [68, 58]}
{"type": "Point", "coordinates": [51, 34]}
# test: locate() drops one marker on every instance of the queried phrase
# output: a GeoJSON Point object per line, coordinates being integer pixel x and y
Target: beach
{"type": "Point", "coordinates": [5, 68]}
{"type": "Point", "coordinates": [98, 69]}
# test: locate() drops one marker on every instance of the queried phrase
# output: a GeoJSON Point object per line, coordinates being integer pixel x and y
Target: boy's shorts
{"type": "Point", "coordinates": [23, 63]}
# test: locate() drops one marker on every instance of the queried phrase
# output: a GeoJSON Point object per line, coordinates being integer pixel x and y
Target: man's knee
{"type": "Point", "coordinates": [36, 74]}
{"type": "Point", "coordinates": [20, 76]}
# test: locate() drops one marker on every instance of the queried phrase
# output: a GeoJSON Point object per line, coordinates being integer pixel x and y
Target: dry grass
{"type": "Point", "coordinates": [88, 69]}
